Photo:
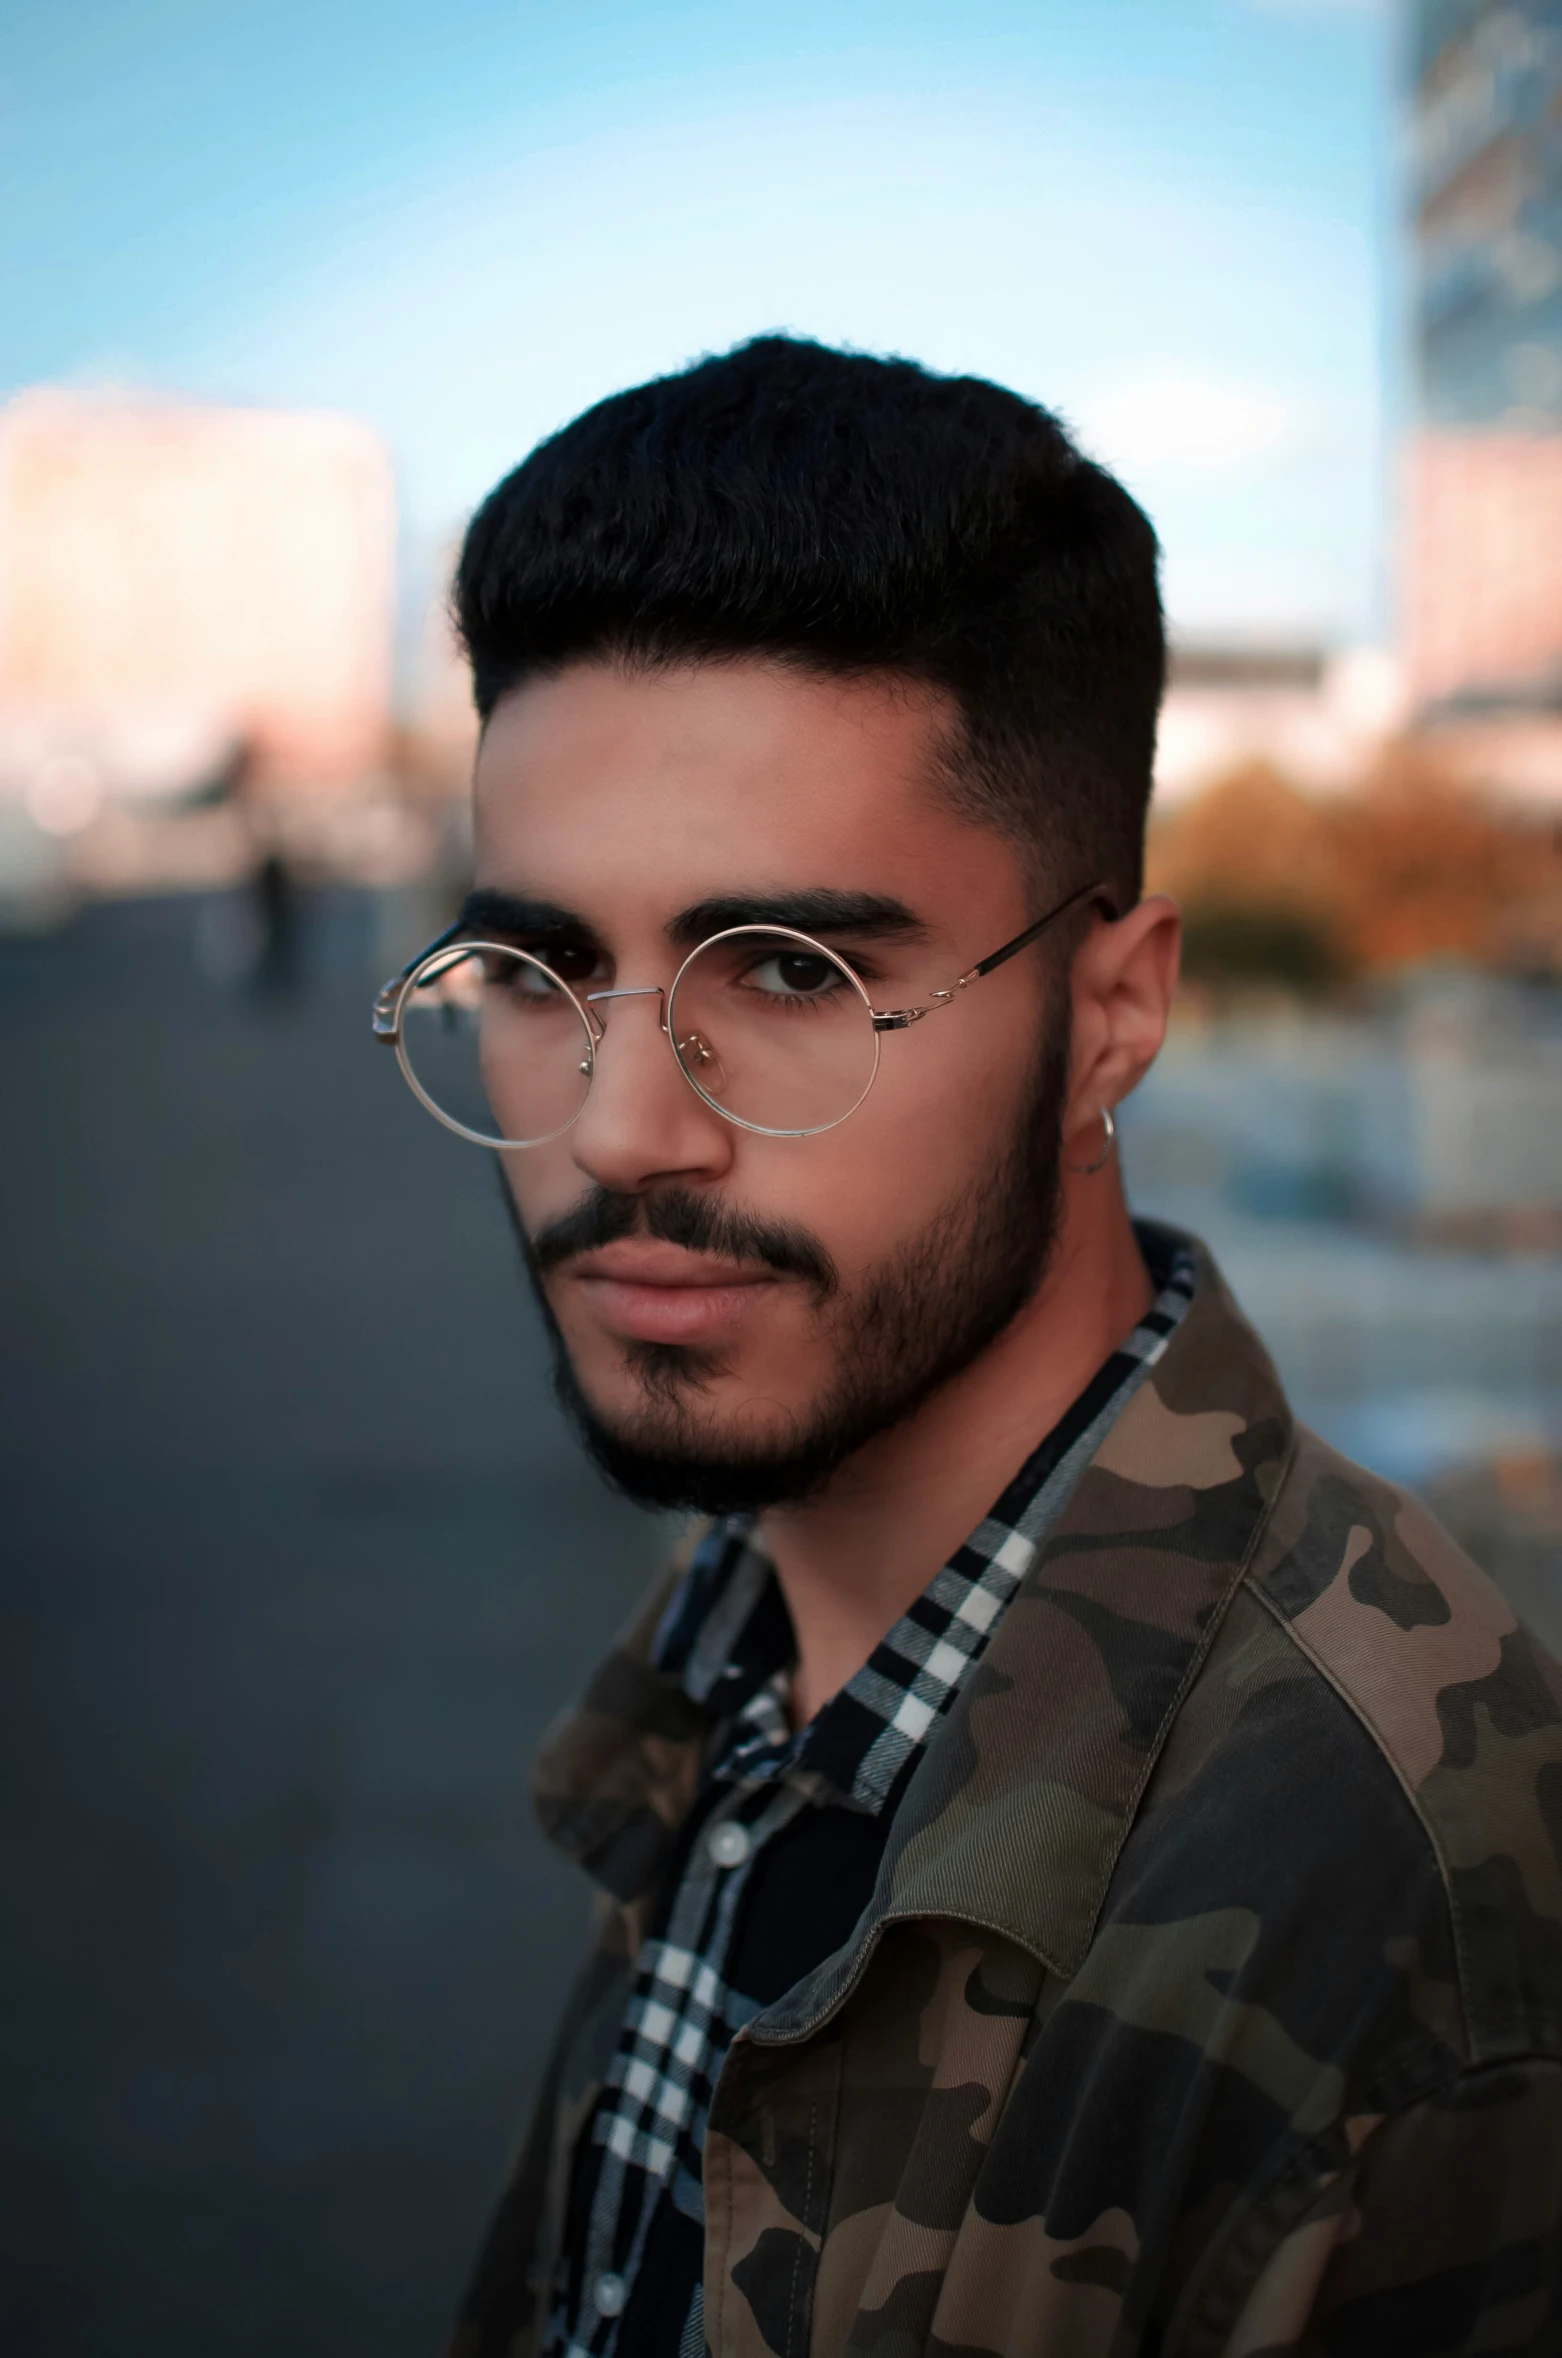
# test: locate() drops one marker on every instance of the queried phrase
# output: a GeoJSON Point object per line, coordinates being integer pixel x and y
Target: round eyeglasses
{"type": "Point", "coordinates": [769, 1027]}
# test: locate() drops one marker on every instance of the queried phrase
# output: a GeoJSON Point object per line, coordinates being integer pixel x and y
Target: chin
{"type": "Point", "coordinates": [664, 1442]}
{"type": "Point", "coordinates": [691, 1405]}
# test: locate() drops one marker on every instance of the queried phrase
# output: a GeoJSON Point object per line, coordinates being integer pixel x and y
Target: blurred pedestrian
{"type": "Point", "coordinates": [275, 897]}
{"type": "Point", "coordinates": [274, 912]}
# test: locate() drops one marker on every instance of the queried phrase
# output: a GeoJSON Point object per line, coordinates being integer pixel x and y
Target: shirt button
{"type": "Point", "coordinates": [729, 1843]}
{"type": "Point", "coordinates": [609, 2294]}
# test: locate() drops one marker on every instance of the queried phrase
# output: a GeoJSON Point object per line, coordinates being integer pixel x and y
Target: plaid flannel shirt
{"type": "Point", "coordinates": [727, 1635]}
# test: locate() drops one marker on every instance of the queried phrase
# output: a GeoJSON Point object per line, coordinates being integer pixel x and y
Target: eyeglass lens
{"type": "Point", "coordinates": [774, 1032]}
{"type": "Point", "coordinates": [494, 1044]}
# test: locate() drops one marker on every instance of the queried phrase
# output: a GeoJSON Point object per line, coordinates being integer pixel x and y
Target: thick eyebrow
{"type": "Point", "coordinates": [866, 916]}
{"type": "Point", "coordinates": [486, 910]}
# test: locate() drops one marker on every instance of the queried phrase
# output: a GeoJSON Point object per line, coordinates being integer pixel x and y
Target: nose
{"type": "Point", "coordinates": [641, 1121]}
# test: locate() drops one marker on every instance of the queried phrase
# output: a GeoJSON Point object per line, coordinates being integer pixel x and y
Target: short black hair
{"type": "Point", "coordinates": [853, 515]}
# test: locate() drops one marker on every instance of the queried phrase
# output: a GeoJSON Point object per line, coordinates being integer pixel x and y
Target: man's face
{"type": "Point", "coordinates": [736, 1313]}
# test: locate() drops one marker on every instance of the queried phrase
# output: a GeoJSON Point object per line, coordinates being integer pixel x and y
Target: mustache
{"type": "Point", "coordinates": [699, 1223]}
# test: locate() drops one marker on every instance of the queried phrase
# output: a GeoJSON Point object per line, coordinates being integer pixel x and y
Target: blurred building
{"type": "Point", "coordinates": [438, 739]}
{"type": "Point", "coordinates": [1436, 1118]}
{"type": "Point", "coordinates": [1484, 572]}
{"type": "Point", "coordinates": [183, 588]}
{"type": "Point", "coordinates": [1315, 717]}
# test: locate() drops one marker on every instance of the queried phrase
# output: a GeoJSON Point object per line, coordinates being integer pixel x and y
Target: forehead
{"type": "Point", "coordinates": [610, 788]}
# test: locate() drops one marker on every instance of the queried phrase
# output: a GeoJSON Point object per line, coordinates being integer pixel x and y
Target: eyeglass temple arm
{"type": "Point", "coordinates": [1022, 941]}
{"type": "Point", "coordinates": [896, 1019]}
{"type": "Point", "coordinates": [386, 1019]}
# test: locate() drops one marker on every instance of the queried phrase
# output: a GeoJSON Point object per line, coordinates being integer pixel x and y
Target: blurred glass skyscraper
{"type": "Point", "coordinates": [1488, 165]}
{"type": "Point", "coordinates": [1485, 575]}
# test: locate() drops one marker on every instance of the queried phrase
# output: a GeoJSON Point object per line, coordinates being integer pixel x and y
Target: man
{"type": "Point", "coordinates": [1077, 1859]}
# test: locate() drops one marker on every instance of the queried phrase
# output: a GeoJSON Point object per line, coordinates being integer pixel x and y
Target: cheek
{"type": "Point", "coordinates": [946, 1096]}
{"type": "Point", "coordinates": [932, 1126]}
{"type": "Point", "coordinates": [543, 1183]}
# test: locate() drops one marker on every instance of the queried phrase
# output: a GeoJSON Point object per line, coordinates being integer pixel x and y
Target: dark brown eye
{"type": "Point", "coordinates": [572, 962]}
{"type": "Point", "coordinates": [801, 972]}
{"type": "Point", "coordinates": [792, 974]}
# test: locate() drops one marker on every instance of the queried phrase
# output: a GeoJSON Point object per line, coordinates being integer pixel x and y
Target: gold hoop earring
{"type": "Point", "coordinates": [1088, 1170]}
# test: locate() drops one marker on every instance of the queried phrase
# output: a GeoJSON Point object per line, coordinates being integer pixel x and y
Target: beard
{"type": "Point", "coordinates": [913, 1324]}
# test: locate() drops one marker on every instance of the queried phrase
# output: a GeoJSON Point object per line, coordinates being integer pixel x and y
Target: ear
{"type": "Point", "coordinates": [1123, 977]}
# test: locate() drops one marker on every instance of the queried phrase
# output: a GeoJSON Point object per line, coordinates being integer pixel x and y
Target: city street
{"type": "Point", "coordinates": [298, 1561]}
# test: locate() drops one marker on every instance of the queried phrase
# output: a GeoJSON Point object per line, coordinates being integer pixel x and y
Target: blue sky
{"type": "Point", "coordinates": [1170, 219]}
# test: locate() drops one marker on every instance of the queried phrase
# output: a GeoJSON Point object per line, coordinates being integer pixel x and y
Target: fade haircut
{"type": "Point", "coordinates": [853, 516]}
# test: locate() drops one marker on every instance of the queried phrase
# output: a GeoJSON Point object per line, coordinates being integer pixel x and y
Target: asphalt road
{"type": "Point", "coordinates": [297, 1562]}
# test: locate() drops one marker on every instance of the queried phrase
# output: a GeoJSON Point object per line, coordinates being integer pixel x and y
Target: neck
{"type": "Point", "coordinates": [851, 1561]}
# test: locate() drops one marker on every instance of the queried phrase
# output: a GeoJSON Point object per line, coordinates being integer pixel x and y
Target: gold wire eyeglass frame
{"type": "Point", "coordinates": [459, 942]}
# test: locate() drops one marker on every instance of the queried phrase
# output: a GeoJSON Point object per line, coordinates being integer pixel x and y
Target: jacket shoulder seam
{"type": "Point", "coordinates": [1384, 1751]}
{"type": "Point", "coordinates": [1189, 1680]}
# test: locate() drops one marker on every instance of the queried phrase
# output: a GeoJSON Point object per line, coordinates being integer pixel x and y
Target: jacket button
{"type": "Point", "coordinates": [729, 1843]}
{"type": "Point", "coordinates": [609, 2294]}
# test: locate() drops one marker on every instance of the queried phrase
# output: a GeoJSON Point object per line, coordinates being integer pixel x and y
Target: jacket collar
{"type": "Point", "coordinates": [1015, 1817]}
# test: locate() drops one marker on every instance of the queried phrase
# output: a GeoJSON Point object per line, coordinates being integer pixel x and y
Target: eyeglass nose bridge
{"type": "Point", "coordinates": [632, 991]}
{"type": "Point", "coordinates": [693, 1048]}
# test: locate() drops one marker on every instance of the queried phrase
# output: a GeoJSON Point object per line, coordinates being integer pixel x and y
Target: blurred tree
{"type": "Point", "coordinates": [1432, 868]}
{"type": "Point", "coordinates": [1251, 839]}
{"type": "Point", "coordinates": [1222, 942]}
{"type": "Point", "coordinates": [1300, 891]}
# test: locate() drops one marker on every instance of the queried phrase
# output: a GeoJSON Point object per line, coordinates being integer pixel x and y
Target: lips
{"type": "Point", "coordinates": [643, 1290]}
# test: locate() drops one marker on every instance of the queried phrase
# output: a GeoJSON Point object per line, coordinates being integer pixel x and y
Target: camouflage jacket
{"type": "Point", "coordinates": [1208, 2000]}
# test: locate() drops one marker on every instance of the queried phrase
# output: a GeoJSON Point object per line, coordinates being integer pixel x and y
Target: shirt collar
{"type": "Point", "coordinates": [1015, 1819]}
{"type": "Point", "coordinates": [728, 1639]}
